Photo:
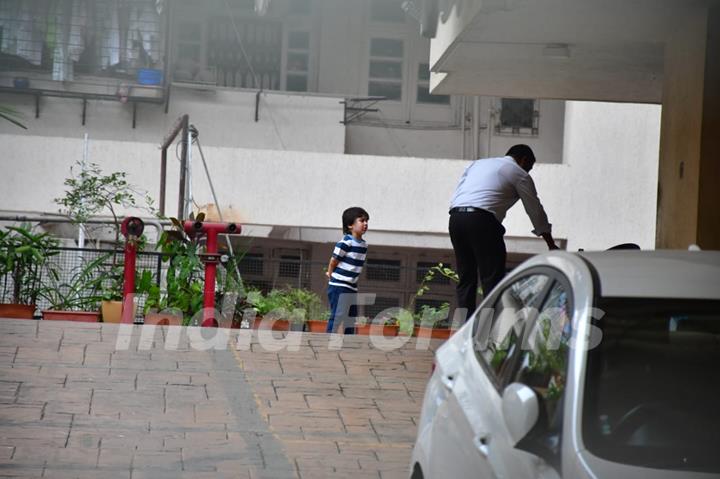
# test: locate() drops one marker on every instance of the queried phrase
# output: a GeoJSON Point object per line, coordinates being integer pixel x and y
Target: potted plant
{"type": "Point", "coordinates": [433, 322]}
{"type": "Point", "coordinates": [23, 256]}
{"type": "Point", "coordinates": [75, 295]}
{"type": "Point", "coordinates": [271, 310]}
{"type": "Point", "coordinates": [382, 325]}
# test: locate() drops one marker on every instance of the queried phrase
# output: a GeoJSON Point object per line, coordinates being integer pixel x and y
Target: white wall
{"type": "Point", "coordinates": [604, 193]}
{"type": "Point", "coordinates": [223, 116]}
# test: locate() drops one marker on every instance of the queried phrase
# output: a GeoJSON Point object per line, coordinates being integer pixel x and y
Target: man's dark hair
{"type": "Point", "coordinates": [350, 215]}
{"type": "Point", "coordinates": [521, 151]}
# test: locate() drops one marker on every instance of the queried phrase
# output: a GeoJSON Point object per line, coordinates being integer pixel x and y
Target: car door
{"type": "Point", "coordinates": [542, 365]}
{"type": "Point", "coordinates": [467, 420]}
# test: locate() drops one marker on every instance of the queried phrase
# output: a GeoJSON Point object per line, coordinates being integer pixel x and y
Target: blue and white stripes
{"type": "Point", "coordinates": [351, 254]}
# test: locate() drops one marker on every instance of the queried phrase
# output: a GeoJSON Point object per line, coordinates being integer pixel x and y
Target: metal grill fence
{"type": "Point", "coordinates": [394, 284]}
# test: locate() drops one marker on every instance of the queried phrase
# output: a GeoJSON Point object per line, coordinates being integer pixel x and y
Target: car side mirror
{"type": "Point", "coordinates": [521, 410]}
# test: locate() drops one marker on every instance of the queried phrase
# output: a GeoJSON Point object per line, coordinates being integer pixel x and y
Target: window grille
{"type": "Point", "coordinates": [381, 304]}
{"type": "Point", "coordinates": [424, 267]}
{"type": "Point", "coordinates": [289, 267]}
{"type": "Point", "coordinates": [262, 41]}
{"type": "Point", "coordinates": [252, 264]}
{"type": "Point", "coordinates": [382, 270]}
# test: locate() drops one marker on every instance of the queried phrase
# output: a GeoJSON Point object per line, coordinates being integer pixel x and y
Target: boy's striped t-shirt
{"type": "Point", "coordinates": [351, 254]}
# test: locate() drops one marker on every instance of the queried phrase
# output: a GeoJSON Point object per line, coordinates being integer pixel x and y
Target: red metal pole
{"type": "Point", "coordinates": [211, 247]}
{"type": "Point", "coordinates": [128, 311]}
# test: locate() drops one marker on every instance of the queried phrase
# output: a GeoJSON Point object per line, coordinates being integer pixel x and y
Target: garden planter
{"type": "Point", "coordinates": [163, 319]}
{"type": "Point", "coordinates": [77, 316]}
{"type": "Point", "coordinates": [434, 333]}
{"type": "Point", "coordinates": [274, 324]}
{"type": "Point", "coordinates": [112, 311]}
{"type": "Point", "coordinates": [316, 326]}
{"type": "Point", "coordinates": [17, 311]}
{"type": "Point", "coordinates": [376, 330]}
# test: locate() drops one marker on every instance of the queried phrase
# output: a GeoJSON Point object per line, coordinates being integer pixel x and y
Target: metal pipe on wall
{"type": "Point", "coordinates": [476, 127]}
{"type": "Point", "coordinates": [463, 112]}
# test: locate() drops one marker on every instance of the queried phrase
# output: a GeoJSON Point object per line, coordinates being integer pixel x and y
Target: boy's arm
{"type": "Point", "coordinates": [331, 266]}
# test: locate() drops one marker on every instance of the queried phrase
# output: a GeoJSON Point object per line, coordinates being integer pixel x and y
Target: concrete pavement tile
{"type": "Point", "coordinates": [19, 413]}
{"type": "Point", "coordinates": [162, 460]}
{"type": "Point", "coordinates": [71, 473]}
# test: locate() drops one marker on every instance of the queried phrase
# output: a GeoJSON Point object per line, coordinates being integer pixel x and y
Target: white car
{"type": "Point", "coordinates": [587, 365]}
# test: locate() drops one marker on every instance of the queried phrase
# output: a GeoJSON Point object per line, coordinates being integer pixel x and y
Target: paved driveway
{"type": "Point", "coordinates": [102, 400]}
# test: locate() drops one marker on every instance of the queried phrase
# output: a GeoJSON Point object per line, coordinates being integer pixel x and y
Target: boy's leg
{"type": "Point", "coordinates": [333, 298]}
{"type": "Point", "coordinates": [353, 314]}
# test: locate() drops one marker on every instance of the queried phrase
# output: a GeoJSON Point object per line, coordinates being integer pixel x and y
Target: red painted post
{"type": "Point", "coordinates": [211, 258]}
{"type": "Point", "coordinates": [129, 282]}
{"type": "Point", "coordinates": [131, 228]}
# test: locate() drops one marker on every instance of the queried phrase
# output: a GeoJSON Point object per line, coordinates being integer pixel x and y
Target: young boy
{"type": "Point", "coordinates": [345, 266]}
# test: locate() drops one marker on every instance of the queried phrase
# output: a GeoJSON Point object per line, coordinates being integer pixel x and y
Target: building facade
{"type": "Point", "coordinates": [309, 108]}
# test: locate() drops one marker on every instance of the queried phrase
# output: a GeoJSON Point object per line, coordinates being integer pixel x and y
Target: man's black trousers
{"type": "Point", "coordinates": [477, 238]}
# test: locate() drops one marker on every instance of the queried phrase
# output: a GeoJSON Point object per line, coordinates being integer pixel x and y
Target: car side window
{"type": "Point", "coordinates": [500, 331]}
{"type": "Point", "coordinates": [544, 357]}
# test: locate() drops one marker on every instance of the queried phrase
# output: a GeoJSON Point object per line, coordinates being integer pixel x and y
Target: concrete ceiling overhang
{"type": "Point", "coordinates": [604, 50]}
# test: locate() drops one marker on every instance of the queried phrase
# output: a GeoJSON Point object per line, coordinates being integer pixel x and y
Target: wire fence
{"type": "Point", "coordinates": [88, 272]}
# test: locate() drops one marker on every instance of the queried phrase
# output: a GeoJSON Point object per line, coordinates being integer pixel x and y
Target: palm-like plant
{"type": "Point", "coordinates": [23, 256]}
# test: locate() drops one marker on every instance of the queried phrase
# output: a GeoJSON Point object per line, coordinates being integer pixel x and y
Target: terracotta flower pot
{"type": "Point", "coordinates": [274, 324]}
{"type": "Point", "coordinates": [77, 316]}
{"type": "Point", "coordinates": [434, 333]}
{"type": "Point", "coordinates": [163, 319]}
{"type": "Point", "coordinates": [17, 311]}
{"type": "Point", "coordinates": [316, 326]}
{"type": "Point", "coordinates": [377, 330]}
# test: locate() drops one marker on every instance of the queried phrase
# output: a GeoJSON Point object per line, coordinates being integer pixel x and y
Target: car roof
{"type": "Point", "coordinates": [657, 274]}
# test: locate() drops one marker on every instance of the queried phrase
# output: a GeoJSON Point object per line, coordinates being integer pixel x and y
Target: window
{"type": "Point", "coordinates": [543, 364]}
{"type": "Point", "coordinates": [652, 384]}
{"type": "Point", "coordinates": [423, 267]}
{"type": "Point", "coordinates": [382, 270]}
{"type": "Point", "coordinates": [289, 266]}
{"type": "Point", "coordinates": [386, 68]}
{"type": "Point", "coordinates": [262, 41]}
{"type": "Point", "coordinates": [251, 264]}
{"type": "Point", "coordinates": [297, 64]}
{"type": "Point", "coordinates": [517, 116]}
{"type": "Point", "coordinates": [381, 304]}
{"type": "Point", "coordinates": [423, 88]}
{"type": "Point", "coordinates": [500, 331]}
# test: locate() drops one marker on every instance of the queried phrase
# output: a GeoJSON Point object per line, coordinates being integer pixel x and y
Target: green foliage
{"type": "Point", "coordinates": [81, 290]}
{"type": "Point", "coordinates": [91, 192]}
{"type": "Point", "coordinates": [185, 274]}
{"type": "Point", "coordinates": [295, 304]}
{"type": "Point", "coordinates": [23, 256]}
{"type": "Point", "coordinates": [437, 270]}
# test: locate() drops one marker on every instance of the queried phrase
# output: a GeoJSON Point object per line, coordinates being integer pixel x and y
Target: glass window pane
{"type": "Point", "coordinates": [424, 96]}
{"type": "Point", "coordinates": [393, 91]}
{"type": "Point", "coordinates": [296, 83]}
{"type": "Point", "coordinates": [297, 62]}
{"type": "Point", "coordinates": [387, 11]}
{"type": "Point", "coordinates": [423, 72]}
{"type": "Point", "coordinates": [385, 69]}
{"type": "Point", "coordinates": [517, 113]}
{"type": "Point", "coordinates": [386, 47]}
{"type": "Point", "coordinates": [299, 40]}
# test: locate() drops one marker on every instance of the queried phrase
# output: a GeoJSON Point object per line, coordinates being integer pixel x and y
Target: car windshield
{"type": "Point", "coordinates": [652, 389]}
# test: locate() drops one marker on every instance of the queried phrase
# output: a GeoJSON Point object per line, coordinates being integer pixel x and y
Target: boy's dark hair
{"type": "Point", "coordinates": [520, 151]}
{"type": "Point", "coordinates": [350, 215]}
